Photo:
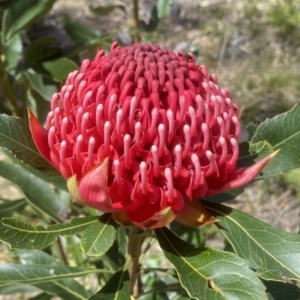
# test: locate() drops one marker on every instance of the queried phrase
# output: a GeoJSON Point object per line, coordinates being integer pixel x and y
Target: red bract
{"type": "Point", "coordinates": [142, 132]}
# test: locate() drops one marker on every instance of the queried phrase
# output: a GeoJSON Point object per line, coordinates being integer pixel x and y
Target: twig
{"type": "Point", "coordinates": [61, 253]}
{"type": "Point", "coordinates": [13, 106]}
{"type": "Point", "coordinates": [136, 23]}
{"type": "Point", "coordinates": [226, 36]}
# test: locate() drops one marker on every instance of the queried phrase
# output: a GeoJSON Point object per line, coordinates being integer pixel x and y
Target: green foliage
{"type": "Point", "coordinates": [20, 14]}
{"type": "Point", "coordinates": [285, 16]}
{"type": "Point", "coordinates": [254, 240]}
{"type": "Point", "coordinates": [8, 207]}
{"type": "Point", "coordinates": [287, 129]}
{"type": "Point", "coordinates": [104, 10]}
{"type": "Point", "coordinates": [99, 237]}
{"type": "Point", "coordinates": [117, 288]}
{"type": "Point", "coordinates": [218, 274]}
{"type": "Point", "coordinates": [37, 192]}
{"type": "Point", "coordinates": [260, 261]}
{"type": "Point", "coordinates": [264, 142]}
{"type": "Point", "coordinates": [25, 236]}
{"type": "Point", "coordinates": [15, 136]}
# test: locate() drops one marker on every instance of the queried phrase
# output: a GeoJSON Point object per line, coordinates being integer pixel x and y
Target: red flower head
{"type": "Point", "coordinates": [142, 132]}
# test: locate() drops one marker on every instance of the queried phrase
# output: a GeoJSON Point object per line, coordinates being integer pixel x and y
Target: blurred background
{"type": "Point", "coordinates": [252, 46]}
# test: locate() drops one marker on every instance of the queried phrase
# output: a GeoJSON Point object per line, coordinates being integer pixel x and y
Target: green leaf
{"type": "Point", "coordinates": [163, 8]}
{"type": "Point", "coordinates": [16, 137]}
{"type": "Point", "coordinates": [99, 237]}
{"type": "Point", "coordinates": [36, 83]}
{"type": "Point", "coordinates": [192, 235]}
{"type": "Point", "coordinates": [42, 296]}
{"type": "Point", "coordinates": [117, 288]}
{"type": "Point", "coordinates": [22, 13]}
{"type": "Point", "coordinates": [34, 274]}
{"type": "Point", "coordinates": [181, 297]}
{"type": "Point", "coordinates": [209, 274]}
{"type": "Point", "coordinates": [226, 196]}
{"type": "Point", "coordinates": [17, 288]}
{"type": "Point", "coordinates": [105, 10]}
{"type": "Point", "coordinates": [38, 193]}
{"type": "Point", "coordinates": [251, 153]}
{"type": "Point", "coordinates": [114, 258]}
{"type": "Point", "coordinates": [274, 254]}
{"type": "Point", "coordinates": [13, 53]}
{"type": "Point", "coordinates": [59, 69]}
{"type": "Point", "coordinates": [35, 257]}
{"type": "Point", "coordinates": [39, 49]}
{"type": "Point", "coordinates": [154, 20]}
{"type": "Point", "coordinates": [66, 288]}
{"type": "Point", "coordinates": [282, 290]}
{"type": "Point", "coordinates": [25, 236]}
{"type": "Point", "coordinates": [80, 34]}
{"type": "Point", "coordinates": [281, 132]}
{"type": "Point", "coordinates": [38, 105]}
{"type": "Point", "coordinates": [8, 207]}
{"type": "Point", "coordinates": [251, 128]}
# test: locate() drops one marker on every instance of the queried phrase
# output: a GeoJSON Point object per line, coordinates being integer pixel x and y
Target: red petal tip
{"type": "Point", "coordinates": [243, 176]}
{"type": "Point", "coordinates": [39, 135]}
{"type": "Point", "coordinates": [93, 188]}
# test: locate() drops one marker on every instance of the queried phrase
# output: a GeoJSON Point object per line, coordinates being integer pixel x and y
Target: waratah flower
{"type": "Point", "coordinates": [144, 133]}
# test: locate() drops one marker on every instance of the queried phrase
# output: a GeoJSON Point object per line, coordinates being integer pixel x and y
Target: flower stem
{"type": "Point", "coordinates": [136, 36]}
{"type": "Point", "coordinates": [135, 241]}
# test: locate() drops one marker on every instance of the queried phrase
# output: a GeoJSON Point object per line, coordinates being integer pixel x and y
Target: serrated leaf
{"type": "Point", "coordinates": [36, 274]}
{"type": "Point", "coordinates": [281, 132]}
{"type": "Point", "coordinates": [8, 207]}
{"type": "Point", "coordinates": [15, 136]}
{"type": "Point", "coordinates": [99, 237]}
{"type": "Point", "coordinates": [37, 192]}
{"type": "Point", "coordinates": [59, 69]}
{"type": "Point", "coordinates": [25, 236]}
{"type": "Point", "coordinates": [117, 288]}
{"type": "Point", "coordinates": [274, 254]}
{"type": "Point", "coordinates": [282, 290]}
{"type": "Point", "coordinates": [209, 274]}
{"type": "Point", "coordinates": [65, 288]}
{"type": "Point", "coordinates": [105, 10]}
